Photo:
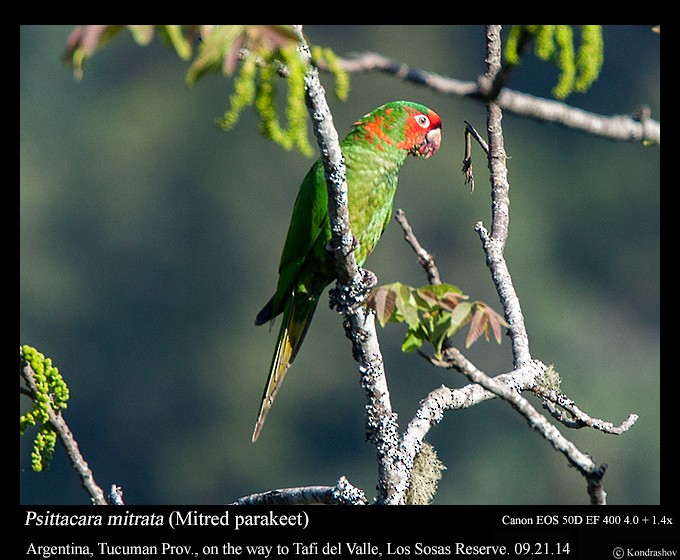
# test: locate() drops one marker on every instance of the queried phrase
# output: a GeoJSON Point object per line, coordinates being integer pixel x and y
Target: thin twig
{"type": "Point", "coordinates": [424, 258]}
{"type": "Point", "coordinates": [471, 132]}
{"type": "Point", "coordinates": [576, 418]}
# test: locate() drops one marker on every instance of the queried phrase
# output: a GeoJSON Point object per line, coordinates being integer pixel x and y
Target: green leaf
{"type": "Point", "coordinates": [459, 317]}
{"type": "Point", "coordinates": [413, 340]}
{"type": "Point", "coordinates": [440, 290]}
{"type": "Point", "coordinates": [216, 46]}
{"type": "Point", "coordinates": [51, 394]}
{"type": "Point", "coordinates": [407, 305]}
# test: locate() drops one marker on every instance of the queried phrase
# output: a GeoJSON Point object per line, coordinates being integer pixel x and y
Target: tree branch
{"type": "Point", "coordinates": [626, 128]}
{"type": "Point", "coordinates": [527, 371]}
{"type": "Point", "coordinates": [66, 439]}
{"type": "Point", "coordinates": [576, 418]}
{"type": "Point", "coordinates": [334, 168]}
{"type": "Point", "coordinates": [115, 496]}
{"type": "Point", "coordinates": [507, 386]}
{"type": "Point", "coordinates": [343, 493]}
{"type": "Point", "coordinates": [500, 203]}
{"type": "Point", "coordinates": [424, 258]}
{"type": "Point", "coordinates": [470, 132]}
{"type": "Point", "coordinates": [351, 289]}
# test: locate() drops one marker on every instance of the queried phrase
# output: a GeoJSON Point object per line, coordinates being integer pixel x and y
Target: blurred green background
{"type": "Point", "coordinates": [150, 238]}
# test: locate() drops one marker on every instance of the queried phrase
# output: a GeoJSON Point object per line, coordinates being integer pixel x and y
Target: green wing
{"type": "Point", "coordinates": [308, 234]}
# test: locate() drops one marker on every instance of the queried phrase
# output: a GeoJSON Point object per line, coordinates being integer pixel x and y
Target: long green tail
{"type": "Point", "coordinates": [297, 316]}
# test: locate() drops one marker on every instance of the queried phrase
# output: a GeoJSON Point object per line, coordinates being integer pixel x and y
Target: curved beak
{"type": "Point", "coordinates": [430, 145]}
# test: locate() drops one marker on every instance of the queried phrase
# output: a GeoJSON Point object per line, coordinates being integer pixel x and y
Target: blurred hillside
{"type": "Point", "coordinates": [150, 238]}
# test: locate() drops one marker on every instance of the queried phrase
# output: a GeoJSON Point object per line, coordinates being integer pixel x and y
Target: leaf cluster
{"type": "Point", "coordinates": [256, 85]}
{"type": "Point", "coordinates": [579, 67]}
{"type": "Point", "coordinates": [258, 55]}
{"type": "Point", "coordinates": [51, 393]}
{"type": "Point", "coordinates": [433, 313]}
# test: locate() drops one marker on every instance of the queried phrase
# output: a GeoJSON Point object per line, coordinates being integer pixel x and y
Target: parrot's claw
{"type": "Point", "coordinates": [355, 242]}
{"type": "Point", "coordinates": [370, 279]}
{"type": "Point", "coordinates": [331, 249]}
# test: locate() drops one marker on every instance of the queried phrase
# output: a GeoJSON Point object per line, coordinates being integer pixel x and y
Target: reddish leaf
{"type": "Point", "coordinates": [496, 321]}
{"type": "Point", "coordinates": [382, 302]}
{"type": "Point", "coordinates": [478, 325]}
{"type": "Point", "coordinates": [451, 299]}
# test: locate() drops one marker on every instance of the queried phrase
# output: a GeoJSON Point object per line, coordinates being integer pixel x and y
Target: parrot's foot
{"type": "Point", "coordinates": [369, 278]}
{"type": "Point", "coordinates": [331, 249]}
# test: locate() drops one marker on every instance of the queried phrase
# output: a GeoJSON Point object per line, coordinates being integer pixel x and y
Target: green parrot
{"type": "Point", "coordinates": [374, 151]}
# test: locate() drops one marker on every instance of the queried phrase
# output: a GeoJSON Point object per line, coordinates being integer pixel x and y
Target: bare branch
{"type": "Point", "coordinates": [626, 128]}
{"type": "Point", "coordinates": [508, 386]}
{"type": "Point", "coordinates": [527, 371]}
{"type": "Point", "coordinates": [424, 258]}
{"type": "Point", "coordinates": [576, 418]}
{"type": "Point", "coordinates": [500, 203]}
{"type": "Point", "coordinates": [370, 62]}
{"type": "Point", "coordinates": [343, 493]}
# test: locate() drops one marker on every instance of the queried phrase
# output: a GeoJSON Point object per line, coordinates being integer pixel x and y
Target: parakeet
{"type": "Point", "coordinates": [374, 151]}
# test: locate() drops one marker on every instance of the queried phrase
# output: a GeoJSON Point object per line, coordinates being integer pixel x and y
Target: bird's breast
{"type": "Point", "coordinates": [370, 193]}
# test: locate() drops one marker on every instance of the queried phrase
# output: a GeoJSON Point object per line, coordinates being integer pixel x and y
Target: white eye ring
{"type": "Point", "coordinates": [422, 120]}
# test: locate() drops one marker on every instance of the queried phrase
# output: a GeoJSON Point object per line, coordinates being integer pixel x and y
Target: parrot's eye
{"type": "Point", "coordinates": [422, 120]}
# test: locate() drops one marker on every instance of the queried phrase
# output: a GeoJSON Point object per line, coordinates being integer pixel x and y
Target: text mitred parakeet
{"type": "Point", "coordinates": [374, 151]}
